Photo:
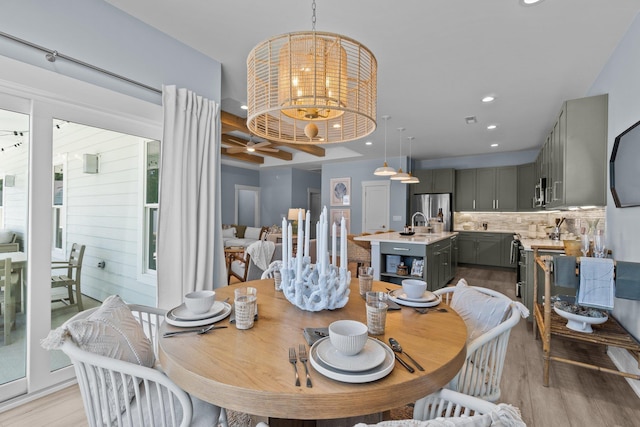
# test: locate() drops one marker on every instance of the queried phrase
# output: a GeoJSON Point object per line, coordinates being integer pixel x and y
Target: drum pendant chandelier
{"type": "Point", "coordinates": [311, 88]}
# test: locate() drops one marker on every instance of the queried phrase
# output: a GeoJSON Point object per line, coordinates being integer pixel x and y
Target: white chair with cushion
{"type": "Point", "coordinates": [446, 408]}
{"type": "Point", "coordinates": [489, 316]}
{"type": "Point", "coordinates": [113, 349]}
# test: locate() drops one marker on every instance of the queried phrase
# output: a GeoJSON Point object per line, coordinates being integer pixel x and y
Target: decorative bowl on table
{"type": "Point", "coordinates": [579, 318]}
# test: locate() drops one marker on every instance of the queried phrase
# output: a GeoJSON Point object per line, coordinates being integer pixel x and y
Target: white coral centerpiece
{"type": "Point", "coordinates": [314, 287]}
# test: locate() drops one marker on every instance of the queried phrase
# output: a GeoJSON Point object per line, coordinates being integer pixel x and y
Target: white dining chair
{"type": "Point", "coordinates": [487, 343]}
{"type": "Point", "coordinates": [150, 397]}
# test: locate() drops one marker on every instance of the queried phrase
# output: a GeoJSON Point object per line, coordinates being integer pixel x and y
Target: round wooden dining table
{"type": "Point", "coordinates": [249, 370]}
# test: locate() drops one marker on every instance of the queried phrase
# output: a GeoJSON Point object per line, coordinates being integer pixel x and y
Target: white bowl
{"type": "Point", "coordinates": [200, 301]}
{"type": "Point", "coordinates": [580, 323]}
{"type": "Point", "coordinates": [348, 336]}
{"type": "Point", "coordinates": [414, 288]}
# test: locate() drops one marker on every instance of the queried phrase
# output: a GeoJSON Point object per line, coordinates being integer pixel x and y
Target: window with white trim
{"type": "Point", "coordinates": [152, 161]}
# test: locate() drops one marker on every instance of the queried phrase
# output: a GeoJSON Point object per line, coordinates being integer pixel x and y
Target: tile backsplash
{"type": "Point", "coordinates": [519, 222]}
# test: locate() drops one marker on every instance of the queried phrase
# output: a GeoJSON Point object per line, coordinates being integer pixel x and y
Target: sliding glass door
{"type": "Point", "coordinates": [14, 174]}
{"type": "Point", "coordinates": [79, 171]}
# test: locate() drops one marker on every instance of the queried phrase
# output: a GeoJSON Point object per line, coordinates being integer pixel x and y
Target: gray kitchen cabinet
{"type": "Point", "coordinates": [466, 248]}
{"type": "Point", "coordinates": [487, 189]}
{"type": "Point", "coordinates": [435, 256]}
{"type": "Point", "coordinates": [406, 253]}
{"type": "Point", "coordinates": [434, 181]}
{"type": "Point", "coordinates": [526, 187]}
{"type": "Point", "coordinates": [480, 248]}
{"type": "Point", "coordinates": [579, 153]}
{"type": "Point", "coordinates": [465, 193]}
{"type": "Point", "coordinates": [506, 189]}
{"type": "Point", "coordinates": [454, 256]}
{"type": "Point", "coordinates": [439, 264]}
{"type": "Point", "coordinates": [488, 250]}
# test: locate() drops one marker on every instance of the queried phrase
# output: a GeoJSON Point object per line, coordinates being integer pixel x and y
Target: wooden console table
{"type": "Point", "coordinates": [610, 333]}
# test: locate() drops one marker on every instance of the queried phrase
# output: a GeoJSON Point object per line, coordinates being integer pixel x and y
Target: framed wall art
{"type": "Point", "coordinates": [340, 189]}
{"type": "Point", "coordinates": [336, 216]}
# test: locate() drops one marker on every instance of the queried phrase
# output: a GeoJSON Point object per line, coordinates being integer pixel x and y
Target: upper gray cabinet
{"type": "Point", "coordinates": [487, 189]}
{"type": "Point", "coordinates": [577, 154]}
{"type": "Point", "coordinates": [526, 187]}
{"type": "Point", "coordinates": [434, 181]}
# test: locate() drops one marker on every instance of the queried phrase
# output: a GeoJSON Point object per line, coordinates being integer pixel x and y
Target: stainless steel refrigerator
{"type": "Point", "coordinates": [430, 204]}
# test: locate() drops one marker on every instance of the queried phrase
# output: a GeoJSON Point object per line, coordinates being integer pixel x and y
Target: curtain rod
{"type": "Point", "coordinates": [53, 54]}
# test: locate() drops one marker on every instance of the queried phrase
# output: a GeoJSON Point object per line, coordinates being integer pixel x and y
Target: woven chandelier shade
{"type": "Point", "coordinates": [311, 88]}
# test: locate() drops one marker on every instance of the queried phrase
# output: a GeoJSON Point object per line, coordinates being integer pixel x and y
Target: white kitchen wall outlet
{"type": "Point", "coordinates": [397, 218]}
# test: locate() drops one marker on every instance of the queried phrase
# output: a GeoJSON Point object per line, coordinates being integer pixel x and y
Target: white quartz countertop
{"type": "Point", "coordinates": [527, 243]}
{"type": "Point", "coordinates": [418, 238]}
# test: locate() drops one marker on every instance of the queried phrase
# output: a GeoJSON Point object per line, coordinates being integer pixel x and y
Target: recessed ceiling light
{"type": "Point", "coordinates": [488, 98]}
{"type": "Point", "coordinates": [529, 2]}
{"type": "Point", "coordinates": [492, 127]}
{"type": "Point", "coordinates": [244, 107]}
{"type": "Point", "coordinates": [471, 120]}
{"type": "Point", "coordinates": [368, 143]}
{"type": "Point", "coordinates": [494, 145]}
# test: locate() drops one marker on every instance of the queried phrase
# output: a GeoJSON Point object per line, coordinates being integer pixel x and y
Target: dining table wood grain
{"type": "Point", "coordinates": [249, 370]}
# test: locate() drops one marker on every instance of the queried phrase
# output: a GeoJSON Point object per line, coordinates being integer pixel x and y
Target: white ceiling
{"type": "Point", "coordinates": [436, 59]}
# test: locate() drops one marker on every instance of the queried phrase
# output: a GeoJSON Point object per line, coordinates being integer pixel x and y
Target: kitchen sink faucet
{"type": "Point", "coordinates": [413, 217]}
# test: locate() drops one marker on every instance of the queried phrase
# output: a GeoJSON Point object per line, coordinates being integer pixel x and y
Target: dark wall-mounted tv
{"type": "Point", "coordinates": [624, 168]}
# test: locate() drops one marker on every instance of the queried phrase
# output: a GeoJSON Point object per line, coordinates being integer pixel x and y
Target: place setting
{"type": "Point", "coordinates": [199, 308]}
{"type": "Point", "coordinates": [414, 294]}
{"type": "Point", "coordinates": [349, 355]}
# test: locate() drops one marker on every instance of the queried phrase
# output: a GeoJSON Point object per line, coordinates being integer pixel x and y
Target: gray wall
{"type": "Point", "coordinates": [360, 171]}
{"type": "Point", "coordinates": [230, 176]}
{"type": "Point", "coordinates": [276, 187]}
{"type": "Point", "coordinates": [97, 33]}
{"type": "Point", "coordinates": [619, 78]}
{"type": "Point", "coordinates": [280, 189]}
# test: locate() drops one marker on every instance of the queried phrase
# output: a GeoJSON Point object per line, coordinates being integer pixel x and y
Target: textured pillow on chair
{"type": "Point", "coordinates": [110, 331]}
{"type": "Point", "coordinates": [480, 312]}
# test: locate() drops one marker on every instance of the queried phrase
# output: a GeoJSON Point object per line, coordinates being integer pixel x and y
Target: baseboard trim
{"type": "Point", "coordinates": [625, 362]}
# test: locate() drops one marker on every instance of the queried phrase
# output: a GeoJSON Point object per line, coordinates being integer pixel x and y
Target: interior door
{"type": "Point", "coordinates": [375, 206]}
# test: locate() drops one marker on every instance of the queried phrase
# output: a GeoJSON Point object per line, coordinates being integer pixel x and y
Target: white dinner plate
{"type": "Point", "coordinates": [371, 356]}
{"type": "Point", "coordinates": [374, 374]}
{"type": "Point", "coordinates": [428, 296]}
{"type": "Point", "coordinates": [393, 297]}
{"type": "Point", "coordinates": [181, 312]}
{"type": "Point", "coordinates": [172, 320]}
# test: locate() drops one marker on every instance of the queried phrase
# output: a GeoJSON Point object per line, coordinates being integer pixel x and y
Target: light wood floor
{"type": "Point", "coordinates": [576, 397]}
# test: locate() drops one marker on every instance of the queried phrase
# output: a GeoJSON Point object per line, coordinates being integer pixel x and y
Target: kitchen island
{"type": "Point", "coordinates": [431, 257]}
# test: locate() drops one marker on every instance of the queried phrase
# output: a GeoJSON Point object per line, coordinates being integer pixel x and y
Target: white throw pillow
{"type": "Point", "coordinates": [6, 236]}
{"type": "Point", "coordinates": [229, 232]}
{"type": "Point", "coordinates": [113, 331]}
{"type": "Point", "coordinates": [480, 312]}
{"type": "Point", "coordinates": [252, 233]}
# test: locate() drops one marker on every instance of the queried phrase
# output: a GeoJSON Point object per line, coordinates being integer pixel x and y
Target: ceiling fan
{"type": "Point", "coordinates": [250, 147]}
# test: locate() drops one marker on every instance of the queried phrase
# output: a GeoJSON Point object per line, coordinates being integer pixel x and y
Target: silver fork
{"type": "Point", "coordinates": [294, 360]}
{"type": "Point", "coordinates": [302, 354]}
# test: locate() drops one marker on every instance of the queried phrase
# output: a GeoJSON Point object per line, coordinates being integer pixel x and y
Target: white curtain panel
{"type": "Point", "coordinates": [190, 252]}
